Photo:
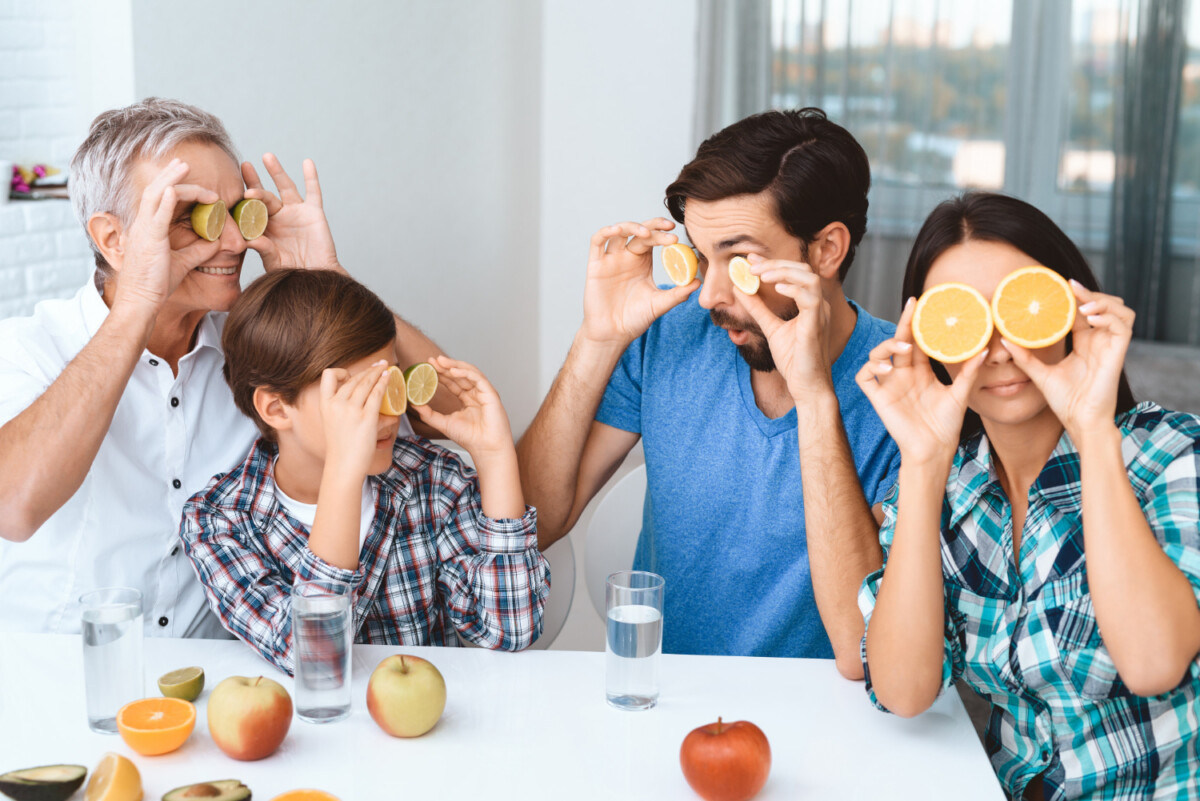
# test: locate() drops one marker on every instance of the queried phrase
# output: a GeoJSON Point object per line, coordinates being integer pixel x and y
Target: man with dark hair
{"type": "Point", "coordinates": [763, 545]}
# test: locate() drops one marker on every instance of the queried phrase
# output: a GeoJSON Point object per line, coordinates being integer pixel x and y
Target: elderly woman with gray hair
{"type": "Point", "coordinates": [113, 408]}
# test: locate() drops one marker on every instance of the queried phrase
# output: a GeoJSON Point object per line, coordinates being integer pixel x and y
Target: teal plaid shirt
{"type": "Point", "coordinates": [1029, 643]}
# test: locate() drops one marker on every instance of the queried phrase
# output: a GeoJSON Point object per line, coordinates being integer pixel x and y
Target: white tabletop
{"type": "Point", "coordinates": [531, 725]}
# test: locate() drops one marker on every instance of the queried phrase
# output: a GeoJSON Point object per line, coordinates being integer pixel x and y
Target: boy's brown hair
{"type": "Point", "coordinates": [289, 326]}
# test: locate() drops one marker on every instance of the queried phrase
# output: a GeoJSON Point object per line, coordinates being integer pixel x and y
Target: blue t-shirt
{"type": "Point", "coordinates": [723, 520]}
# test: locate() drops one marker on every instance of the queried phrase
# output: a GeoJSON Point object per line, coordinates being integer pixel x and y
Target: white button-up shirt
{"type": "Point", "coordinates": [169, 436]}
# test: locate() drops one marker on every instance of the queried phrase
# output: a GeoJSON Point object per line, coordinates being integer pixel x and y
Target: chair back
{"type": "Point", "coordinates": [612, 534]}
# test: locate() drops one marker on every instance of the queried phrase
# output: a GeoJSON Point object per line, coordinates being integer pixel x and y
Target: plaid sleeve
{"type": "Point", "coordinates": [494, 580]}
{"type": "Point", "coordinates": [252, 599]}
{"type": "Point", "coordinates": [952, 659]}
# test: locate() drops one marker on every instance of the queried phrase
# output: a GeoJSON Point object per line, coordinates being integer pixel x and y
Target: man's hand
{"type": "Point", "coordinates": [481, 425]}
{"type": "Point", "coordinates": [297, 234]}
{"type": "Point", "coordinates": [151, 270]}
{"type": "Point", "coordinates": [350, 417]}
{"type": "Point", "coordinates": [620, 300]}
{"type": "Point", "coordinates": [799, 346]}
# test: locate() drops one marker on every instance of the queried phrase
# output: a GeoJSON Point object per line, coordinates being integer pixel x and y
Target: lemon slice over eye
{"type": "Point", "coordinates": [251, 218]}
{"type": "Point", "coordinates": [680, 263]}
{"type": "Point", "coordinates": [395, 399]}
{"type": "Point", "coordinates": [743, 279]}
{"type": "Point", "coordinates": [208, 220]}
{"type": "Point", "coordinates": [422, 382]}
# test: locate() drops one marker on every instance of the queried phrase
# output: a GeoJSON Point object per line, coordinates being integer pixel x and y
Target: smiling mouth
{"type": "Point", "coordinates": [217, 270]}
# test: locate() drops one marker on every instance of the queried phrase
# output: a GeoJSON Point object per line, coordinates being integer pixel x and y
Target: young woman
{"type": "Point", "coordinates": [1043, 540]}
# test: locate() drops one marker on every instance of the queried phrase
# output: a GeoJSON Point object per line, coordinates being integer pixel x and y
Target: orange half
{"type": "Point", "coordinates": [305, 795]}
{"type": "Point", "coordinates": [1034, 307]}
{"type": "Point", "coordinates": [952, 323]}
{"type": "Point", "coordinates": [681, 264]}
{"type": "Point", "coordinates": [154, 726]}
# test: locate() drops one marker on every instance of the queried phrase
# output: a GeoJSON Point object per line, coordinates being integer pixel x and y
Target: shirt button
{"type": "Point", "coordinates": [175, 551]}
{"type": "Point", "coordinates": [154, 362]}
{"type": "Point", "coordinates": [174, 401]}
{"type": "Point", "coordinates": [162, 621]}
{"type": "Point", "coordinates": [1045, 756]}
{"type": "Point", "coordinates": [176, 483]}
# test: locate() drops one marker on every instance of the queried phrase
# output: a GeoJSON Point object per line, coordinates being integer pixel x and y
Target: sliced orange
{"type": "Point", "coordinates": [743, 279]}
{"type": "Point", "coordinates": [115, 779]}
{"type": "Point", "coordinates": [395, 398]}
{"type": "Point", "coordinates": [680, 262]}
{"type": "Point", "coordinates": [306, 795]}
{"type": "Point", "coordinates": [1034, 307]}
{"type": "Point", "coordinates": [155, 726]}
{"type": "Point", "coordinates": [952, 323]}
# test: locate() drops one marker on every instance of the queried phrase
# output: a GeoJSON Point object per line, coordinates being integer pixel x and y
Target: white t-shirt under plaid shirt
{"type": "Point", "coordinates": [1029, 643]}
{"type": "Point", "coordinates": [432, 563]}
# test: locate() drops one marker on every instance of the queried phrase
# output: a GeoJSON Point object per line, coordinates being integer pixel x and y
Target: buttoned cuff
{"type": "Point", "coordinates": [508, 535]}
{"type": "Point", "coordinates": [314, 567]}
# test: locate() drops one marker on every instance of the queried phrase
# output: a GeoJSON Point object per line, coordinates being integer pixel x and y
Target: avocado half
{"type": "Point", "coordinates": [221, 790]}
{"type": "Point", "coordinates": [47, 783]}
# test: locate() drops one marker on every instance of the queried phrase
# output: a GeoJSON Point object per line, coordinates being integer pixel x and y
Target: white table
{"type": "Point", "coordinates": [531, 725]}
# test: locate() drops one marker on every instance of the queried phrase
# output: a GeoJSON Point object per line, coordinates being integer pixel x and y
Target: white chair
{"type": "Point", "coordinates": [561, 556]}
{"type": "Point", "coordinates": [612, 534]}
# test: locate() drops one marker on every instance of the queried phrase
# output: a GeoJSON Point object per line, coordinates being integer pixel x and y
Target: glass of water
{"type": "Point", "coordinates": [112, 653]}
{"type": "Point", "coordinates": [322, 632]}
{"type": "Point", "coordinates": [634, 599]}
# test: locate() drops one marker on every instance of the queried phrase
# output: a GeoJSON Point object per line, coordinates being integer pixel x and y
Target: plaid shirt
{"type": "Point", "coordinates": [1029, 643]}
{"type": "Point", "coordinates": [431, 564]}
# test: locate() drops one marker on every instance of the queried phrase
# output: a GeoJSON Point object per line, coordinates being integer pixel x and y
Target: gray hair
{"type": "Point", "coordinates": [100, 170]}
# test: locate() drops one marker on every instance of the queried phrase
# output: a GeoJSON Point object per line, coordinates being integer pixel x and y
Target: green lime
{"type": "Point", "coordinates": [250, 215]}
{"type": "Point", "coordinates": [186, 683]}
{"type": "Point", "coordinates": [208, 220]}
{"type": "Point", "coordinates": [421, 380]}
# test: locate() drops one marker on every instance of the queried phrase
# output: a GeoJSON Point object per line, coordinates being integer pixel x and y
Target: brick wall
{"type": "Point", "coordinates": [43, 250]}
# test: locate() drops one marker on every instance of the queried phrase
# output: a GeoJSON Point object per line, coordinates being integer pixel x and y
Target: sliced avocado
{"type": "Point", "coordinates": [47, 783]}
{"type": "Point", "coordinates": [222, 790]}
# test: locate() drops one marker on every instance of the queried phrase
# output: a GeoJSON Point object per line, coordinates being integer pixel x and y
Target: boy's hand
{"type": "Point", "coordinates": [350, 416]}
{"type": "Point", "coordinates": [481, 425]}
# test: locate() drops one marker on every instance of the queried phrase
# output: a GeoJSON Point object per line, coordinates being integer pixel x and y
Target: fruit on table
{"type": "Point", "coordinates": [154, 726]}
{"type": "Point", "coordinates": [186, 683]}
{"type": "Point", "coordinates": [114, 779]}
{"type": "Point", "coordinates": [406, 695]}
{"type": "Point", "coordinates": [743, 279]}
{"type": "Point", "coordinates": [680, 262]}
{"type": "Point", "coordinates": [1033, 307]}
{"type": "Point", "coordinates": [305, 795]}
{"type": "Point", "coordinates": [420, 381]}
{"type": "Point", "coordinates": [208, 220]}
{"type": "Point", "coordinates": [395, 399]}
{"type": "Point", "coordinates": [250, 216]}
{"type": "Point", "coordinates": [726, 761]}
{"type": "Point", "coordinates": [220, 790]}
{"type": "Point", "coordinates": [951, 322]}
{"type": "Point", "coordinates": [249, 717]}
{"type": "Point", "coordinates": [46, 783]}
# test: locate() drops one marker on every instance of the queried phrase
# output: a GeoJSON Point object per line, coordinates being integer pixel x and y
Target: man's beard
{"type": "Point", "coordinates": [756, 352]}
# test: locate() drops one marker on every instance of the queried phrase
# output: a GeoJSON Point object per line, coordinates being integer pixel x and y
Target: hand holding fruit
{"type": "Point", "coordinates": [297, 234]}
{"type": "Point", "coordinates": [350, 416]}
{"type": "Point", "coordinates": [481, 424]}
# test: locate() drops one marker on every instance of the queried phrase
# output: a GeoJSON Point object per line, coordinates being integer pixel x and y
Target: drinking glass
{"type": "Point", "coordinates": [634, 600]}
{"type": "Point", "coordinates": [321, 637]}
{"type": "Point", "coordinates": [112, 653]}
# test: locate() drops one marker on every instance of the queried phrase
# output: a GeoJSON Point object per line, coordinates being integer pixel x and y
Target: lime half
{"type": "Point", "coordinates": [251, 218]}
{"type": "Point", "coordinates": [422, 382]}
{"type": "Point", "coordinates": [186, 683]}
{"type": "Point", "coordinates": [394, 402]}
{"type": "Point", "coordinates": [208, 220]}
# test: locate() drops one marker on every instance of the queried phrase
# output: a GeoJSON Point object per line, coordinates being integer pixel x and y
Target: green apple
{"type": "Point", "coordinates": [248, 718]}
{"type": "Point", "coordinates": [406, 695]}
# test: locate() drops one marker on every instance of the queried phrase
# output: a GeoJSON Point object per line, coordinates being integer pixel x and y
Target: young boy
{"type": "Point", "coordinates": [329, 491]}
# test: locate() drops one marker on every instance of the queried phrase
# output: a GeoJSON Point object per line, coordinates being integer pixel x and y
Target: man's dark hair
{"type": "Point", "coordinates": [813, 169]}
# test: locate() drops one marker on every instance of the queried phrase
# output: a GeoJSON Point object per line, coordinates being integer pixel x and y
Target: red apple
{"type": "Point", "coordinates": [248, 718]}
{"type": "Point", "coordinates": [406, 695]}
{"type": "Point", "coordinates": [726, 761]}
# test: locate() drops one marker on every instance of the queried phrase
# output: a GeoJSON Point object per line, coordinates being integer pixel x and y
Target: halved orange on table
{"type": "Point", "coordinates": [1033, 307]}
{"type": "Point", "coordinates": [154, 726]}
{"type": "Point", "coordinates": [681, 264]}
{"type": "Point", "coordinates": [952, 323]}
{"type": "Point", "coordinates": [306, 795]}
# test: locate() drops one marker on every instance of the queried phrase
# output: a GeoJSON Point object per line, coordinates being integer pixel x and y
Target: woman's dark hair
{"type": "Point", "coordinates": [990, 217]}
{"type": "Point", "coordinates": [814, 170]}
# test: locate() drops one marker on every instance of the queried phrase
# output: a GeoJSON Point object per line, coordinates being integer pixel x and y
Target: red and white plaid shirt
{"type": "Point", "coordinates": [432, 562]}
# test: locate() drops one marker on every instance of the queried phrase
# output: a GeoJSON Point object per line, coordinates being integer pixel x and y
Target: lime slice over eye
{"type": "Point", "coordinates": [251, 218]}
{"type": "Point", "coordinates": [422, 382]}
{"type": "Point", "coordinates": [743, 279]}
{"type": "Point", "coordinates": [208, 220]}
{"type": "Point", "coordinates": [394, 399]}
{"type": "Point", "coordinates": [186, 683]}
